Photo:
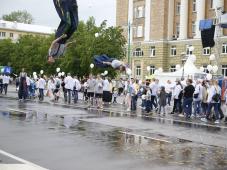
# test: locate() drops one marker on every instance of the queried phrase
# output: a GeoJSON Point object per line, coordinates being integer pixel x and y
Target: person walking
{"type": "Point", "coordinates": [169, 89]}
{"type": "Point", "coordinates": [106, 90]}
{"type": "Point", "coordinates": [204, 104]}
{"type": "Point", "coordinates": [5, 81]}
{"type": "Point", "coordinates": [213, 99]}
{"type": "Point", "coordinates": [177, 96]}
{"type": "Point", "coordinates": [76, 89]}
{"type": "Point", "coordinates": [99, 91]}
{"type": "Point", "coordinates": [154, 91]}
{"type": "Point", "coordinates": [91, 88]}
{"type": "Point", "coordinates": [50, 88]}
{"type": "Point", "coordinates": [22, 92]}
{"type": "Point", "coordinates": [69, 85]}
{"type": "Point", "coordinates": [42, 84]}
{"type": "Point", "coordinates": [188, 98]}
{"type": "Point", "coordinates": [197, 97]}
{"type": "Point", "coordinates": [162, 100]}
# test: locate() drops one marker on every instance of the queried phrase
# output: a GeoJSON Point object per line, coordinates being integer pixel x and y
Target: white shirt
{"type": "Point", "coordinates": [41, 83]}
{"type": "Point", "coordinates": [154, 88]}
{"type": "Point", "coordinates": [116, 63]}
{"type": "Point", "coordinates": [106, 85]}
{"type": "Point", "coordinates": [77, 84]}
{"type": "Point", "coordinates": [5, 79]}
{"type": "Point", "coordinates": [212, 90]}
{"type": "Point", "coordinates": [198, 90]}
{"type": "Point", "coordinates": [69, 83]}
{"type": "Point", "coordinates": [28, 81]}
{"type": "Point", "coordinates": [50, 85]}
{"type": "Point", "coordinates": [176, 91]}
{"type": "Point", "coordinates": [169, 87]}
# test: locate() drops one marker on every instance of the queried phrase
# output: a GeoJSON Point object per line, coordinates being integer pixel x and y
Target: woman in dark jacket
{"type": "Point", "coordinates": [162, 100]}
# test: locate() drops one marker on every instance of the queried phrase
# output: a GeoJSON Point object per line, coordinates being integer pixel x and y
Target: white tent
{"type": "Point", "coordinates": [189, 69]}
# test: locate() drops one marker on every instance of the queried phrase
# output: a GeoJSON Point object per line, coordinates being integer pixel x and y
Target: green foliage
{"type": "Point", "coordinates": [19, 16]}
{"type": "Point", "coordinates": [30, 52]}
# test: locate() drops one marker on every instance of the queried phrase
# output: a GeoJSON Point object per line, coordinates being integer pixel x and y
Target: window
{"type": "Point", "coordinates": [177, 30]}
{"type": "Point", "coordinates": [11, 35]}
{"type": "Point", "coordinates": [173, 51]}
{"type": "Point", "coordinates": [224, 48]}
{"type": "Point", "coordinates": [188, 51]}
{"type": "Point", "coordinates": [178, 8]}
{"type": "Point", "coordinates": [224, 70]}
{"type": "Point", "coordinates": [193, 28]}
{"type": "Point", "coordinates": [140, 31]}
{"type": "Point", "coordinates": [207, 51]}
{"type": "Point", "coordinates": [211, 4]}
{"type": "Point", "coordinates": [152, 70]}
{"type": "Point", "coordinates": [205, 69]}
{"type": "Point", "coordinates": [194, 6]}
{"type": "Point", "coordinates": [138, 52]}
{"type": "Point", "coordinates": [2, 34]}
{"type": "Point", "coordinates": [138, 70]}
{"type": "Point", "coordinates": [152, 51]}
{"type": "Point", "coordinates": [139, 12]}
{"type": "Point", "coordinates": [172, 69]}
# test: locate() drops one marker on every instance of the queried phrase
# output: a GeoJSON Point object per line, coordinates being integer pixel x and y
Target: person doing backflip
{"type": "Point", "coordinates": [68, 13]}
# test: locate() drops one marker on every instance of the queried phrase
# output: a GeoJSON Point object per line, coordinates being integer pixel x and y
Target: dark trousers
{"type": "Point", "coordinates": [5, 86]}
{"type": "Point", "coordinates": [177, 106]}
{"type": "Point", "coordinates": [41, 94]}
{"type": "Point", "coordinates": [133, 103]}
{"type": "Point", "coordinates": [187, 106]}
{"type": "Point", "coordinates": [215, 106]}
{"type": "Point", "coordinates": [169, 96]}
{"type": "Point", "coordinates": [1, 88]}
{"type": "Point", "coordinates": [68, 13]}
{"type": "Point", "coordinates": [75, 95]}
{"type": "Point", "coordinates": [204, 108]}
{"type": "Point", "coordinates": [153, 102]}
{"type": "Point", "coordinates": [98, 61]}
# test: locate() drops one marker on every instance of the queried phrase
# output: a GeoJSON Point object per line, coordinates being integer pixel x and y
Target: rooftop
{"type": "Point", "coordinates": [26, 27]}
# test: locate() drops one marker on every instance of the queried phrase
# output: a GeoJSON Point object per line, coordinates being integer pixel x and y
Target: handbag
{"type": "Point", "coordinates": [216, 97]}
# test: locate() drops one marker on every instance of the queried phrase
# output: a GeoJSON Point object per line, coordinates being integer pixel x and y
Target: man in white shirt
{"type": "Point", "coordinates": [169, 90]}
{"type": "Point", "coordinates": [69, 85]}
{"type": "Point", "coordinates": [154, 91]}
{"type": "Point", "coordinates": [76, 89]}
{"type": "Point", "coordinates": [41, 84]}
{"type": "Point", "coordinates": [5, 81]}
{"type": "Point", "coordinates": [177, 96]}
{"type": "Point", "coordinates": [197, 97]}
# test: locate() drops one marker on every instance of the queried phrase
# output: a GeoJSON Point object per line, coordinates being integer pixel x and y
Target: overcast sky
{"type": "Point", "coordinates": [44, 12]}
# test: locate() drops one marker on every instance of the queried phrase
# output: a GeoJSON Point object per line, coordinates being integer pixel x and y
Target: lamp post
{"type": "Point", "coordinates": [129, 44]}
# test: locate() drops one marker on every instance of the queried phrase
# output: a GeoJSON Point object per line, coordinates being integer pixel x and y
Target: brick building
{"type": "Point", "coordinates": [161, 30]}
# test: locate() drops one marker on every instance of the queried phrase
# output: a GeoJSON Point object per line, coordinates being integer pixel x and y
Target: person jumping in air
{"type": "Point", "coordinates": [103, 61]}
{"type": "Point", "coordinates": [68, 13]}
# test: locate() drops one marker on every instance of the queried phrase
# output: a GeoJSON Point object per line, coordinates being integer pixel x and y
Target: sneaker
{"type": "Point", "coordinates": [217, 122]}
{"type": "Point", "coordinates": [172, 113]}
{"type": "Point", "coordinates": [204, 120]}
{"type": "Point", "coordinates": [128, 110]}
{"type": "Point", "coordinates": [193, 116]}
{"type": "Point", "coordinates": [181, 115]}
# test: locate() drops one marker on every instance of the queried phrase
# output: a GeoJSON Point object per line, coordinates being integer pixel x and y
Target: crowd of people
{"type": "Point", "coordinates": [190, 99]}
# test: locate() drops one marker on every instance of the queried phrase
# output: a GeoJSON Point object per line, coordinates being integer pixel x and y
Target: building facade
{"type": "Point", "coordinates": [162, 30]}
{"type": "Point", "coordinates": [14, 30]}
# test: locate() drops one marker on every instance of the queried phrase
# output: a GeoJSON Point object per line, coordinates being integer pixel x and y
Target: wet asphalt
{"type": "Point", "coordinates": [101, 141]}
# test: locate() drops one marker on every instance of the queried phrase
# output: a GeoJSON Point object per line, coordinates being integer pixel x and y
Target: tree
{"type": "Point", "coordinates": [19, 16]}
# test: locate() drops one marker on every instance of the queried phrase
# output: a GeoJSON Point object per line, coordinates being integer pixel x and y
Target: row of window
{"type": "Point", "coordinates": [3, 34]}
{"type": "Point", "coordinates": [173, 69]}
{"type": "Point", "coordinates": [178, 6]}
{"type": "Point", "coordinates": [173, 51]}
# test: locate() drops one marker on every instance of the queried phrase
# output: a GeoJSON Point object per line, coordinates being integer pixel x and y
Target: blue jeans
{"type": "Point", "coordinates": [41, 94]}
{"type": "Point", "coordinates": [187, 106]}
{"type": "Point", "coordinates": [68, 95]}
{"type": "Point", "coordinates": [153, 102]}
{"type": "Point", "coordinates": [98, 61]}
{"type": "Point", "coordinates": [75, 94]}
{"type": "Point", "coordinates": [133, 103]}
{"type": "Point", "coordinates": [204, 108]}
{"type": "Point", "coordinates": [169, 96]}
{"type": "Point", "coordinates": [210, 106]}
{"type": "Point", "coordinates": [197, 107]}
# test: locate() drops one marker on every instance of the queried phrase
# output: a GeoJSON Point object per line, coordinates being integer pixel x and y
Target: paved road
{"type": "Point", "coordinates": [105, 140]}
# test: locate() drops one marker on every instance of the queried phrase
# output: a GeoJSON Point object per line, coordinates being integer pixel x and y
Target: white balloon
{"type": "Point", "coordinates": [178, 67]}
{"type": "Point", "coordinates": [209, 76]}
{"type": "Point", "coordinates": [160, 70]}
{"type": "Point", "coordinates": [96, 35]}
{"type": "Point", "coordinates": [58, 70]}
{"type": "Point", "coordinates": [191, 48]}
{"type": "Point", "coordinates": [2, 70]}
{"type": "Point", "coordinates": [63, 73]}
{"type": "Point", "coordinates": [106, 72]}
{"type": "Point", "coordinates": [128, 71]}
{"type": "Point", "coordinates": [215, 69]}
{"type": "Point", "coordinates": [59, 74]}
{"type": "Point", "coordinates": [92, 65]}
{"type": "Point", "coordinates": [148, 68]}
{"type": "Point", "coordinates": [212, 57]}
{"type": "Point", "coordinates": [34, 73]}
{"type": "Point", "coordinates": [41, 71]}
{"type": "Point", "coordinates": [201, 69]}
{"type": "Point", "coordinates": [209, 68]}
